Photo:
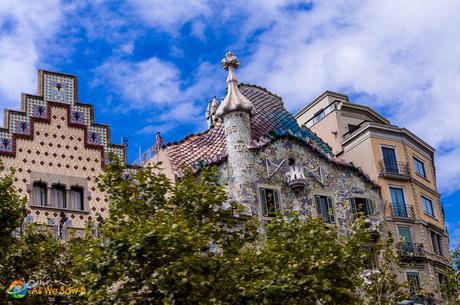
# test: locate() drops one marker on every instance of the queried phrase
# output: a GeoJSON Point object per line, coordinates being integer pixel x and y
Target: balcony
{"type": "Point", "coordinates": [410, 250]}
{"type": "Point", "coordinates": [394, 169]}
{"type": "Point", "coordinates": [402, 210]}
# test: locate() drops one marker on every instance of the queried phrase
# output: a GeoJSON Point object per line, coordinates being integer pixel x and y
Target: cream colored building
{"type": "Point", "coordinates": [403, 165]}
{"type": "Point", "coordinates": [57, 150]}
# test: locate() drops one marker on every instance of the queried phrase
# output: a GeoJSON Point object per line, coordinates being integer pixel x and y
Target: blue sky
{"type": "Point", "coordinates": [151, 66]}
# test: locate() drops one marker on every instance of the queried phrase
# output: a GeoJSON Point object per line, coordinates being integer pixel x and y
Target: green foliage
{"type": "Point", "coordinates": [450, 288]}
{"type": "Point", "coordinates": [183, 244]}
{"type": "Point", "coordinates": [34, 254]}
{"type": "Point", "coordinates": [380, 285]}
{"type": "Point", "coordinates": [12, 209]}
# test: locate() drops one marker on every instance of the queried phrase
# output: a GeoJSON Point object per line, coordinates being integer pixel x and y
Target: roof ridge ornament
{"type": "Point", "coordinates": [234, 100]}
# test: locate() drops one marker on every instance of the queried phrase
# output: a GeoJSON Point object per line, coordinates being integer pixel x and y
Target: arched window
{"type": "Point", "coordinates": [39, 193]}
{"type": "Point", "coordinates": [76, 198]}
{"type": "Point", "coordinates": [58, 196]}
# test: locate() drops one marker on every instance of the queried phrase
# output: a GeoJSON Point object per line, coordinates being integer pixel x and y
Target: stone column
{"type": "Point", "coordinates": [48, 196]}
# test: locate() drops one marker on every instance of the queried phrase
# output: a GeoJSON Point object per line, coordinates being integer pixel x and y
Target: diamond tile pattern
{"type": "Point", "coordinates": [271, 120]}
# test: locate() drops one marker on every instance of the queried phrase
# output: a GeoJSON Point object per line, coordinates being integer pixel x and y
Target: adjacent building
{"type": "Point", "coordinates": [58, 150]}
{"type": "Point", "coordinates": [403, 164]}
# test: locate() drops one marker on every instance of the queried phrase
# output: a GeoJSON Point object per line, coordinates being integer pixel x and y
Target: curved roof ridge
{"type": "Point", "coordinates": [261, 88]}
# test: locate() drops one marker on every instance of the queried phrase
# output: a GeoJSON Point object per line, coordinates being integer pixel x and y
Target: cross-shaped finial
{"type": "Point", "coordinates": [230, 60]}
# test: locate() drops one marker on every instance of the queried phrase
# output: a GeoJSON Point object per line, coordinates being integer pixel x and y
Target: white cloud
{"type": "Point", "coordinates": [153, 84]}
{"type": "Point", "coordinates": [25, 28]}
{"type": "Point", "coordinates": [169, 15]}
{"type": "Point", "coordinates": [401, 55]}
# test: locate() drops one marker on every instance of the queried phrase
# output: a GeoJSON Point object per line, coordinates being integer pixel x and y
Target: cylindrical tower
{"type": "Point", "coordinates": [236, 111]}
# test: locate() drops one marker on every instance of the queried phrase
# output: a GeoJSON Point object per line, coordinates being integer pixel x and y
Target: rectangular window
{"type": "Point", "coordinates": [436, 241]}
{"type": "Point", "coordinates": [405, 234]}
{"type": "Point", "coordinates": [389, 160]}
{"type": "Point", "coordinates": [441, 278]}
{"type": "Point", "coordinates": [398, 202]}
{"type": "Point", "coordinates": [325, 209]}
{"type": "Point", "coordinates": [270, 201]}
{"type": "Point", "coordinates": [428, 206]}
{"type": "Point", "coordinates": [419, 167]}
{"type": "Point", "coordinates": [362, 206]}
{"type": "Point", "coordinates": [414, 282]}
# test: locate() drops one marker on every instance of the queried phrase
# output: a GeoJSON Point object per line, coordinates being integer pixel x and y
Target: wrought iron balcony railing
{"type": "Point", "coordinates": [410, 250]}
{"type": "Point", "coordinates": [402, 210]}
{"type": "Point", "coordinates": [394, 168]}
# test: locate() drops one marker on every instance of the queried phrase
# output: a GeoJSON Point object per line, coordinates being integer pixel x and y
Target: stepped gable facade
{"type": "Point", "coordinates": [57, 150]}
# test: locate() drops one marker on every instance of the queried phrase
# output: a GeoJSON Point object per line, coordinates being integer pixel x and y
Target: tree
{"type": "Point", "coordinates": [27, 252]}
{"type": "Point", "coordinates": [450, 287]}
{"type": "Point", "coordinates": [380, 285]}
{"type": "Point", "coordinates": [185, 244]}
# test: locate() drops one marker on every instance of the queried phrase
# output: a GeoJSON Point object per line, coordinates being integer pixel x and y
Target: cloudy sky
{"type": "Point", "coordinates": [151, 65]}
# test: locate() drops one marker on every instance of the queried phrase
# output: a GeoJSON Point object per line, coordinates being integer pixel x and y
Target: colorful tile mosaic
{"type": "Point", "coordinates": [59, 88]}
{"type": "Point", "coordinates": [94, 138]}
{"type": "Point", "coordinates": [40, 111]}
{"type": "Point", "coordinates": [22, 128]}
{"type": "Point", "coordinates": [6, 145]}
{"type": "Point", "coordinates": [76, 117]}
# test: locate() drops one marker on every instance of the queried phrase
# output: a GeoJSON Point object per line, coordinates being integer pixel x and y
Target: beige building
{"type": "Point", "coordinates": [57, 150]}
{"type": "Point", "coordinates": [403, 165]}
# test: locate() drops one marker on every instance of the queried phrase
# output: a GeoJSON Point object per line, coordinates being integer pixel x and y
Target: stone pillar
{"type": "Point", "coordinates": [236, 111]}
{"type": "Point", "coordinates": [67, 198]}
{"type": "Point", "coordinates": [48, 197]}
{"type": "Point", "coordinates": [240, 160]}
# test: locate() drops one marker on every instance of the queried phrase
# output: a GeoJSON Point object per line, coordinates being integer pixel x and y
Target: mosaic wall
{"type": "Point", "coordinates": [56, 89]}
{"type": "Point", "coordinates": [270, 168]}
{"type": "Point", "coordinates": [53, 136]}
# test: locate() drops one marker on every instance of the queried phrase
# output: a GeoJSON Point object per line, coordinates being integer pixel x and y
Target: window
{"type": "Point", "coordinates": [76, 198]}
{"type": "Point", "coordinates": [58, 196]}
{"type": "Point", "coordinates": [270, 201]}
{"type": "Point", "coordinates": [389, 160]}
{"type": "Point", "coordinates": [39, 194]}
{"type": "Point", "coordinates": [325, 209]}
{"type": "Point", "coordinates": [362, 206]}
{"type": "Point", "coordinates": [428, 206]}
{"type": "Point", "coordinates": [405, 235]}
{"type": "Point", "coordinates": [441, 278]}
{"type": "Point", "coordinates": [436, 241]}
{"type": "Point", "coordinates": [398, 203]}
{"type": "Point", "coordinates": [419, 167]}
{"type": "Point", "coordinates": [414, 282]}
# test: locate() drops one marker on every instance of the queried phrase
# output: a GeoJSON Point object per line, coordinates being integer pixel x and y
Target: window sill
{"type": "Point", "coordinates": [424, 178]}
{"type": "Point", "coordinates": [58, 209]}
{"type": "Point", "coordinates": [431, 216]}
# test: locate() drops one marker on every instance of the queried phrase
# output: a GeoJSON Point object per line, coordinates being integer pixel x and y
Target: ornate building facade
{"type": "Point", "coordinates": [57, 151]}
{"type": "Point", "coordinates": [269, 163]}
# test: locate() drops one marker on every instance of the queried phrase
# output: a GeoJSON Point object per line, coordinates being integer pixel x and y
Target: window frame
{"type": "Point", "coordinates": [331, 219]}
{"type": "Point", "coordinates": [426, 199]}
{"type": "Point", "coordinates": [39, 184]}
{"type": "Point", "coordinates": [416, 275]}
{"type": "Point", "coordinates": [410, 233]}
{"type": "Point", "coordinates": [416, 162]}
{"type": "Point", "coordinates": [262, 200]}
{"type": "Point", "coordinates": [59, 187]}
{"type": "Point", "coordinates": [81, 190]}
{"type": "Point", "coordinates": [436, 243]}
{"type": "Point", "coordinates": [369, 207]}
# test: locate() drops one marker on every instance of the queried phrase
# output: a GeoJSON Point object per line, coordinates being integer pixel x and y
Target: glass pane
{"type": "Point", "coordinates": [405, 234]}
{"type": "Point", "coordinates": [389, 159]}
